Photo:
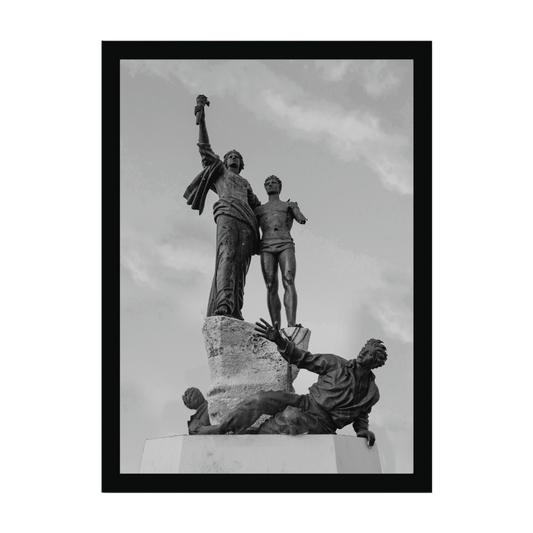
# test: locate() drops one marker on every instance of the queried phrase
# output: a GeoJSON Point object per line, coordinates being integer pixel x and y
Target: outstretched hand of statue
{"type": "Point", "coordinates": [298, 215]}
{"type": "Point", "coordinates": [271, 333]}
{"type": "Point", "coordinates": [368, 435]}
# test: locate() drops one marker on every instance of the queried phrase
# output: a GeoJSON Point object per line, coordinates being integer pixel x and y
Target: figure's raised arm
{"type": "Point", "coordinates": [199, 113]}
{"type": "Point", "coordinates": [270, 333]}
{"type": "Point", "coordinates": [206, 153]}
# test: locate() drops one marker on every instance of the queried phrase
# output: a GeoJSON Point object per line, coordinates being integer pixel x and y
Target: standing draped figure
{"type": "Point", "coordinates": [237, 227]}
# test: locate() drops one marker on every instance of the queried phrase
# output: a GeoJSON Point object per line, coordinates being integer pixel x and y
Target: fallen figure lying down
{"type": "Point", "coordinates": [344, 394]}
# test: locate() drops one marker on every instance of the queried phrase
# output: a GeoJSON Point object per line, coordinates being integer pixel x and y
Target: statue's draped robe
{"type": "Point", "coordinates": [237, 229]}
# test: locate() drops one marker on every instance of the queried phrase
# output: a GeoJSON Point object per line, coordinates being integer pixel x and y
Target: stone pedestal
{"type": "Point", "coordinates": [242, 363]}
{"type": "Point", "coordinates": [259, 454]}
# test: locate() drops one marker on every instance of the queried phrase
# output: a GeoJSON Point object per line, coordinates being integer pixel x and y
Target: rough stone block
{"type": "Point", "coordinates": [242, 363]}
{"type": "Point", "coordinates": [260, 454]}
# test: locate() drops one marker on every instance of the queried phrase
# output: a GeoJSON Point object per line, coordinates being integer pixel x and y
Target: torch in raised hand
{"type": "Point", "coordinates": [201, 102]}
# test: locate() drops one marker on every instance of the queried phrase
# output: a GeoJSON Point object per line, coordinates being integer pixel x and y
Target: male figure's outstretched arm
{"type": "Point", "coordinates": [317, 363]}
{"type": "Point", "coordinates": [296, 213]}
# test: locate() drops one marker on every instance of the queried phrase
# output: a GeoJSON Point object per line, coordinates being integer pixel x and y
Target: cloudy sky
{"type": "Point", "coordinates": [339, 136]}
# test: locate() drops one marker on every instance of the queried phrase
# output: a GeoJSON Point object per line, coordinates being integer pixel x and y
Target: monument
{"type": "Point", "coordinates": [251, 404]}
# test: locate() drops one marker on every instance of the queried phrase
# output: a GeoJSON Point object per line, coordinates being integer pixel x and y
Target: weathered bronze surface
{"type": "Point", "coordinates": [194, 399]}
{"type": "Point", "coordinates": [345, 391]}
{"type": "Point", "coordinates": [237, 226]}
{"type": "Point", "coordinates": [277, 250]}
{"type": "Point", "coordinates": [344, 394]}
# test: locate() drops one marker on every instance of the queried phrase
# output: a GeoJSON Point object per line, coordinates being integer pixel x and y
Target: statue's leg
{"type": "Point", "coordinates": [235, 244]}
{"type": "Point", "coordinates": [292, 421]}
{"type": "Point", "coordinates": [222, 300]}
{"type": "Point", "coordinates": [269, 267]}
{"type": "Point", "coordinates": [249, 410]}
{"type": "Point", "coordinates": [287, 263]}
{"type": "Point", "coordinates": [243, 256]}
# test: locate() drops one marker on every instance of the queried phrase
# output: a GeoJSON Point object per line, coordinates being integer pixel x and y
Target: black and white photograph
{"type": "Point", "coordinates": [267, 254]}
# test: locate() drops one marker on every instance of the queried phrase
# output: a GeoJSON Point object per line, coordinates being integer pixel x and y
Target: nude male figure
{"type": "Point", "coordinates": [277, 250]}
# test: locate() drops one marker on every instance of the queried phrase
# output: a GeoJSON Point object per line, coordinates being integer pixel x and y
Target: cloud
{"type": "Point", "coordinates": [325, 119]}
{"type": "Point", "coordinates": [394, 320]}
{"type": "Point", "coordinates": [377, 77]}
{"type": "Point", "coordinates": [147, 396]}
{"type": "Point", "coordinates": [392, 302]}
{"type": "Point", "coordinates": [242, 78]}
{"type": "Point", "coordinates": [163, 248]}
{"type": "Point", "coordinates": [395, 172]}
{"type": "Point", "coordinates": [172, 268]}
{"type": "Point", "coordinates": [334, 70]}
{"type": "Point", "coordinates": [350, 134]}
{"type": "Point", "coordinates": [392, 420]}
{"type": "Point", "coordinates": [161, 267]}
{"type": "Point", "coordinates": [382, 289]}
{"type": "Point", "coordinates": [137, 267]}
{"type": "Point", "coordinates": [186, 257]}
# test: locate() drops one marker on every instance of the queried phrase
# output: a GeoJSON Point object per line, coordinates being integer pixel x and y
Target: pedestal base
{"type": "Point", "coordinates": [259, 454]}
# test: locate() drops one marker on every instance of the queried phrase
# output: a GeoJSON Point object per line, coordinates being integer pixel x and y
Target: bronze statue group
{"type": "Point", "coordinates": [345, 391]}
